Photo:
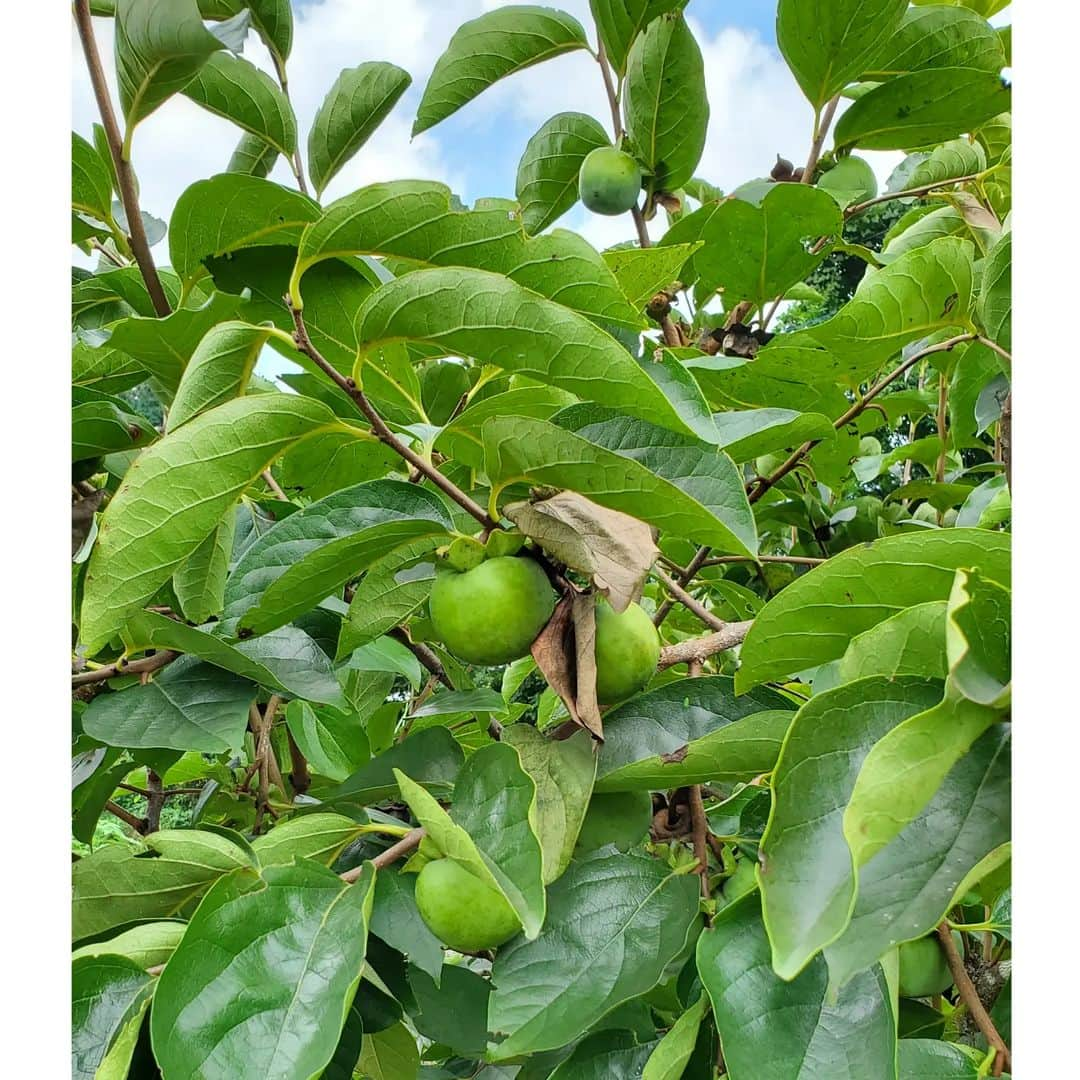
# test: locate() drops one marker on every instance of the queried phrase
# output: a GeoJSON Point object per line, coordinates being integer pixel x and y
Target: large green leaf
{"type": "Point", "coordinates": [286, 659]}
{"type": "Point", "coordinates": [618, 23]}
{"type": "Point", "coordinates": [672, 1054]}
{"type": "Point", "coordinates": [488, 48]}
{"type": "Point", "coordinates": [416, 220]}
{"type": "Point", "coordinates": [776, 1030]}
{"type": "Point", "coordinates": [932, 1059]}
{"type": "Point", "coordinates": [176, 493]}
{"type": "Point", "coordinates": [747, 434]}
{"type": "Point", "coordinates": [642, 272]}
{"type": "Point", "coordinates": [547, 175]}
{"type": "Point", "coordinates": [219, 369]}
{"type": "Point", "coordinates": [147, 944]}
{"type": "Point", "coordinates": [826, 43]}
{"type": "Point", "coordinates": [934, 37]}
{"type": "Point", "coordinates": [563, 771]}
{"type": "Point", "coordinates": [109, 995]}
{"type": "Point", "coordinates": [231, 87]}
{"type": "Point", "coordinates": [357, 103]}
{"type": "Point", "coordinates": [646, 480]}
{"type": "Point", "coordinates": [91, 180]}
{"type": "Point", "coordinates": [995, 293]}
{"type": "Point", "coordinates": [101, 424]}
{"type": "Point", "coordinates": [605, 1053]}
{"type": "Point", "coordinates": [432, 758]}
{"type": "Point", "coordinates": [907, 887]}
{"type": "Point", "coordinates": [690, 731]}
{"type": "Point", "coordinates": [664, 101]}
{"type": "Point", "coordinates": [159, 49]}
{"type": "Point", "coordinates": [199, 581]}
{"type": "Point", "coordinates": [492, 814]}
{"type": "Point", "coordinates": [310, 554]}
{"type": "Point", "coordinates": [252, 157]}
{"type": "Point", "coordinates": [389, 593]}
{"type": "Point", "coordinates": [391, 1054]}
{"type": "Point", "coordinates": [921, 108]}
{"type": "Point", "coordinates": [333, 741]}
{"type": "Point", "coordinates": [113, 886]}
{"type": "Point", "coordinates": [318, 836]}
{"type": "Point", "coordinates": [230, 212]}
{"type": "Point", "coordinates": [476, 313]}
{"type": "Point", "coordinates": [396, 921]}
{"type": "Point", "coordinates": [278, 954]}
{"type": "Point", "coordinates": [815, 617]}
{"type": "Point", "coordinates": [189, 706]}
{"type": "Point", "coordinates": [757, 252]}
{"type": "Point", "coordinates": [807, 874]}
{"type": "Point", "coordinates": [950, 160]}
{"type": "Point", "coordinates": [614, 923]}
{"type": "Point", "coordinates": [453, 1011]}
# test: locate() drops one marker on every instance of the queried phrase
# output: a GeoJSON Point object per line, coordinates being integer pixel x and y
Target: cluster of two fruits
{"type": "Point", "coordinates": [491, 614]}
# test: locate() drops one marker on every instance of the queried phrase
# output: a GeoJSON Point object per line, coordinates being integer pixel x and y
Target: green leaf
{"type": "Point", "coordinates": [563, 771]}
{"type": "Point", "coordinates": [396, 921]}
{"type": "Point", "coordinates": [903, 771]}
{"type": "Point", "coordinates": [547, 175]}
{"type": "Point", "coordinates": [147, 944]}
{"type": "Point", "coordinates": [691, 727]}
{"type": "Point", "coordinates": [432, 757]}
{"type": "Point", "coordinates": [113, 887]}
{"type": "Point", "coordinates": [286, 660]}
{"type": "Point", "coordinates": [757, 252]}
{"type": "Point", "coordinates": [318, 836]}
{"type": "Point", "coordinates": [673, 1052]}
{"type": "Point", "coordinates": [231, 87]}
{"type": "Point", "coordinates": [827, 43]}
{"type": "Point", "coordinates": [416, 220]}
{"type": "Point", "coordinates": [175, 495]}
{"type": "Point", "coordinates": [476, 313]}
{"type": "Point", "coordinates": [199, 581]}
{"type": "Point", "coordinates": [922, 108]}
{"type": "Point", "coordinates": [642, 272]}
{"type": "Point", "coordinates": [358, 102]}
{"type": "Point", "coordinates": [906, 888]}
{"type": "Point", "coordinates": [680, 485]}
{"type": "Point", "coordinates": [159, 49]}
{"type": "Point", "coordinates": [489, 48]}
{"type": "Point", "coordinates": [188, 706]}
{"type": "Point", "coordinates": [931, 1059]}
{"type": "Point", "coordinates": [333, 741]}
{"type": "Point", "coordinates": [390, 1055]}
{"type": "Point", "coordinates": [816, 616]}
{"type": "Point", "coordinates": [101, 424]}
{"type": "Point", "coordinates": [935, 37]}
{"type": "Point", "coordinates": [109, 995]}
{"type": "Point", "coordinates": [605, 1053]}
{"type": "Point", "coordinates": [619, 22]}
{"type": "Point", "coordinates": [310, 554]}
{"type": "Point", "coordinates": [995, 293]}
{"type": "Point", "coordinates": [91, 180]}
{"type": "Point", "coordinates": [101, 367]}
{"type": "Point", "coordinates": [230, 212]}
{"type": "Point", "coordinates": [745, 435]}
{"type": "Point", "coordinates": [664, 101]}
{"type": "Point", "coordinates": [614, 923]}
{"type": "Point", "coordinates": [489, 830]}
{"type": "Point", "coordinates": [252, 157]}
{"type": "Point", "coordinates": [453, 1011]}
{"type": "Point", "coordinates": [280, 952]}
{"type": "Point", "coordinates": [164, 346]}
{"type": "Point", "coordinates": [951, 160]}
{"type": "Point", "coordinates": [456, 702]}
{"type": "Point", "coordinates": [385, 598]}
{"type": "Point", "coordinates": [807, 873]}
{"type": "Point", "coordinates": [776, 1030]}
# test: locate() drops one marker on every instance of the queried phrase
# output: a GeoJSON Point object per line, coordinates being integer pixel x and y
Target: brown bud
{"type": "Point", "coordinates": [782, 170]}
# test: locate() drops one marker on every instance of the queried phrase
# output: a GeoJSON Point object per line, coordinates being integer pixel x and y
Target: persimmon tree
{"type": "Point", "coordinates": [555, 608]}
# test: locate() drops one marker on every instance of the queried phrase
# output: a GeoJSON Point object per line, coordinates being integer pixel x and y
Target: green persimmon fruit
{"type": "Point", "coordinates": [609, 181]}
{"type": "Point", "coordinates": [627, 651]}
{"type": "Point", "coordinates": [923, 970]}
{"type": "Point", "coordinates": [852, 179]}
{"type": "Point", "coordinates": [492, 613]}
{"type": "Point", "coordinates": [461, 910]}
{"type": "Point", "coordinates": [741, 882]}
{"type": "Point", "coordinates": [621, 818]}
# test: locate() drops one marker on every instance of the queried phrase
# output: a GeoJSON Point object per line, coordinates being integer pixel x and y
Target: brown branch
{"type": "Point", "coordinates": [687, 601]}
{"type": "Point", "coordinates": [155, 800]}
{"type": "Point", "coordinates": [378, 425]}
{"type": "Point", "coordinates": [423, 654]}
{"type": "Point", "coordinates": [134, 667]}
{"type": "Point", "coordinates": [699, 649]}
{"type": "Point", "coordinates": [612, 93]}
{"type": "Point", "coordinates": [913, 193]}
{"type": "Point", "coordinates": [789, 560]}
{"type": "Point", "coordinates": [1005, 437]}
{"type": "Point", "coordinates": [274, 487]}
{"type": "Point", "coordinates": [125, 176]}
{"type": "Point", "coordinates": [406, 844]}
{"type": "Point", "coordinates": [821, 129]}
{"type": "Point", "coordinates": [700, 825]}
{"type": "Point", "coordinates": [127, 818]}
{"type": "Point", "coordinates": [686, 576]}
{"type": "Point", "coordinates": [299, 773]}
{"type": "Point", "coordinates": [165, 794]}
{"type": "Point", "coordinates": [970, 997]}
{"type": "Point", "coordinates": [993, 345]}
{"type": "Point", "coordinates": [942, 419]}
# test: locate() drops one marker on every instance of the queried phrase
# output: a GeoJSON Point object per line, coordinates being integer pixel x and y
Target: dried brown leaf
{"type": "Point", "coordinates": [584, 619]}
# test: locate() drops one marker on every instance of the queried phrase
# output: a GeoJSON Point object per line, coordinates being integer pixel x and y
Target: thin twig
{"type": "Point", "coordinates": [296, 163]}
{"type": "Point", "coordinates": [155, 801]}
{"type": "Point", "coordinates": [699, 649]}
{"type": "Point", "coordinates": [687, 601]}
{"type": "Point", "coordinates": [273, 485]}
{"type": "Point", "coordinates": [125, 175]}
{"type": "Point", "coordinates": [611, 91]}
{"type": "Point", "coordinates": [127, 818]}
{"type": "Point", "coordinates": [1005, 437]}
{"type": "Point", "coordinates": [120, 667]}
{"type": "Point", "coordinates": [821, 129]}
{"type": "Point", "coordinates": [102, 250]}
{"type": "Point", "coordinates": [423, 654]}
{"type": "Point", "coordinates": [789, 560]}
{"type": "Point", "coordinates": [913, 193]}
{"type": "Point", "coordinates": [406, 844]}
{"type": "Point", "coordinates": [993, 345]}
{"type": "Point", "coordinates": [942, 419]}
{"type": "Point", "coordinates": [970, 997]}
{"type": "Point", "coordinates": [686, 576]}
{"type": "Point", "coordinates": [700, 825]}
{"type": "Point", "coordinates": [379, 427]}
{"type": "Point", "coordinates": [299, 773]}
